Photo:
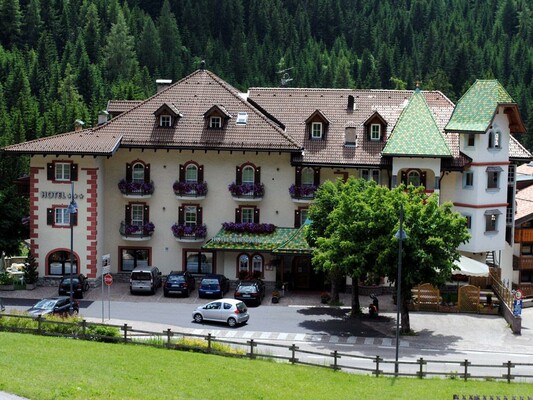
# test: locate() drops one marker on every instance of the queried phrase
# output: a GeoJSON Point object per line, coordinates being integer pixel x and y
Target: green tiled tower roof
{"type": "Point", "coordinates": [416, 133]}
{"type": "Point", "coordinates": [475, 110]}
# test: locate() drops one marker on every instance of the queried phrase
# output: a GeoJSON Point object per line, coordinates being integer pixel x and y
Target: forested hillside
{"type": "Point", "coordinates": [61, 60]}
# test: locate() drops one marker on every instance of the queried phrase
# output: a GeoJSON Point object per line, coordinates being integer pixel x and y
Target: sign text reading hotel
{"type": "Point", "coordinates": [60, 195]}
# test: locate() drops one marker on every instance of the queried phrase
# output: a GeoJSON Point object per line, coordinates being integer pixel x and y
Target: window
{"type": "Point", "coordinates": [190, 215]}
{"type": "Point", "coordinates": [62, 171]}
{"type": "Point", "coordinates": [62, 216]}
{"type": "Point", "coordinates": [493, 178]}
{"type": "Point", "coordinates": [316, 130]}
{"type": "Point", "coordinates": [248, 175]}
{"type": "Point", "coordinates": [491, 220]}
{"type": "Point", "coordinates": [59, 263]}
{"type": "Point", "coordinates": [242, 118]}
{"type": "Point", "coordinates": [137, 215]}
{"type": "Point", "coordinates": [165, 121]}
{"type": "Point", "coordinates": [131, 258]}
{"type": "Point", "coordinates": [470, 140]}
{"type": "Point", "coordinates": [468, 221]}
{"type": "Point", "coordinates": [350, 138]}
{"type": "Point", "coordinates": [250, 266]}
{"type": "Point", "coordinates": [137, 173]}
{"type": "Point", "coordinates": [375, 132]}
{"type": "Point", "coordinates": [191, 173]}
{"type": "Point", "coordinates": [247, 215]}
{"type": "Point", "coordinates": [215, 122]}
{"type": "Point", "coordinates": [527, 249]}
{"type": "Point", "coordinates": [494, 139]}
{"type": "Point", "coordinates": [198, 262]}
{"type": "Point", "coordinates": [413, 178]}
{"type": "Point", "coordinates": [308, 176]}
{"type": "Point", "coordinates": [468, 179]}
{"type": "Point", "coordinates": [370, 174]}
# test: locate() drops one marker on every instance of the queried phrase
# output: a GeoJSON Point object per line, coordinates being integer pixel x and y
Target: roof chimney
{"type": "Point", "coordinates": [162, 84]}
{"type": "Point", "coordinates": [78, 125]}
{"type": "Point", "coordinates": [102, 117]}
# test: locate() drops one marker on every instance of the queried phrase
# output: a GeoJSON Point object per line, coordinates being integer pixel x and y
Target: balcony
{"type": "Point", "coordinates": [522, 263]}
{"type": "Point", "coordinates": [190, 190]}
{"type": "Point", "coordinates": [302, 193]}
{"type": "Point", "coordinates": [137, 233]}
{"type": "Point", "coordinates": [523, 235]}
{"type": "Point", "coordinates": [136, 190]}
{"type": "Point", "coordinates": [247, 192]}
{"type": "Point", "coordinates": [189, 234]}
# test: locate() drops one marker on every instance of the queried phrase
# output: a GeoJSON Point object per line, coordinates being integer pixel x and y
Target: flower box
{"type": "Point", "coordinates": [303, 193]}
{"type": "Point", "coordinates": [194, 233]}
{"type": "Point", "coordinates": [136, 232]}
{"type": "Point", "coordinates": [247, 191]}
{"type": "Point", "coordinates": [136, 189]}
{"type": "Point", "coordinates": [196, 190]}
{"type": "Point", "coordinates": [249, 227]}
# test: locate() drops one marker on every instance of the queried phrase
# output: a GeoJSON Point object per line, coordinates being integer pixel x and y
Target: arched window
{"type": "Point", "coordinates": [413, 178]}
{"type": "Point", "coordinates": [137, 173]}
{"type": "Point", "coordinates": [308, 176]}
{"type": "Point", "coordinates": [191, 173]}
{"type": "Point", "coordinates": [243, 267]}
{"type": "Point", "coordinates": [257, 266]}
{"type": "Point", "coordinates": [59, 263]}
{"type": "Point", "coordinates": [248, 174]}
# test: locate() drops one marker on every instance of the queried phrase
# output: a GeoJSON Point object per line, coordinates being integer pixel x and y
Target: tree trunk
{"type": "Point", "coordinates": [404, 311]}
{"type": "Point", "coordinates": [356, 305]}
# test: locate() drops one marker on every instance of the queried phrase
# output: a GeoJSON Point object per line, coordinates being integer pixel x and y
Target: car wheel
{"type": "Point", "coordinates": [198, 318]}
{"type": "Point", "coordinates": [232, 322]}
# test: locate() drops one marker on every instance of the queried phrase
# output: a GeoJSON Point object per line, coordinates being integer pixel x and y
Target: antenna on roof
{"type": "Point", "coordinates": [202, 64]}
{"type": "Point", "coordinates": [285, 77]}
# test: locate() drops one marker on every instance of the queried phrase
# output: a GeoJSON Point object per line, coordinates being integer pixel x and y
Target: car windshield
{"type": "Point", "coordinates": [66, 281]}
{"type": "Point", "coordinates": [209, 282]}
{"type": "Point", "coordinates": [176, 278]}
{"type": "Point", "coordinates": [45, 304]}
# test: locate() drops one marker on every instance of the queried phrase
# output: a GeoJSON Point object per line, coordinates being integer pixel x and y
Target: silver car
{"type": "Point", "coordinates": [231, 311]}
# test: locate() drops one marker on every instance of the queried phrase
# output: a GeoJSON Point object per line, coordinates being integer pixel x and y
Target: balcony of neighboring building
{"type": "Point", "coordinates": [136, 232]}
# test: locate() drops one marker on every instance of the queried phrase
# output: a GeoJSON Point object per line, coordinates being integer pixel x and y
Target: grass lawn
{"type": "Point", "coordinates": [44, 368]}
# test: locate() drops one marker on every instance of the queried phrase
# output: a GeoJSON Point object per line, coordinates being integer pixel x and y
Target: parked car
{"type": "Point", "coordinates": [54, 306]}
{"type": "Point", "coordinates": [250, 291]}
{"type": "Point", "coordinates": [179, 282]}
{"type": "Point", "coordinates": [230, 311]}
{"type": "Point", "coordinates": [213, 285]}
{"type": "Point", "coordinates": [145, 279]}
{"type": "Point", "coordinates": [80, 285]}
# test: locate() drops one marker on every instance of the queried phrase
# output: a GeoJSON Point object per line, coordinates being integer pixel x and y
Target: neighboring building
{"type": "Point", "coordinates": [155, 184]}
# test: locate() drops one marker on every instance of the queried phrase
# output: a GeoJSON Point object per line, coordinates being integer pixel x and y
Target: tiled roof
{"type": "Point", "coordinates": [416, 133]}
{"type": "Point", "coordinates": [225, 240]}
{"type": "Point", "coordinates": [296, 244]}
{"type": "Point", "coordinates": [475, 110]}
{"type": "Point", "coordinates": [73, 143]}
{"type": "Point", "coordinates": [524, 204]}
{"type": "Point", "coordinates": [194, 95]}
{"type": "Point", "coordinates": [525, 169]}
{"type": "Point", "coordinates": [517, 151]}
{"type": "Point", "coordinates": [292, 106]}
{"type": "Point", "coordinates": [116, 107]}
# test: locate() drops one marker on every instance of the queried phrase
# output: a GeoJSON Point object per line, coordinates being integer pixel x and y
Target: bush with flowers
{"type": "Point", "coordinates": [298, 192]}
{"type": "Point", "coordinates": [196, 231]}
{"type": "Point", "coordinates": [182, 188]}
{"type": "Point", "coordinates": [248, 227]}
{"type": "Point", "coordinates": [126, 187]}
{"type": "Point", "coordinates": [247, 189]}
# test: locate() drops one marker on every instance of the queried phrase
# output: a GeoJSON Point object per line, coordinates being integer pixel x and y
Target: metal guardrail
{"type": "Point", "coordinates": [293, 354]}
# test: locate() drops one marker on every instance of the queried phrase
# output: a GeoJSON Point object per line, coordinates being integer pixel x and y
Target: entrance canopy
{"type": "Point", "coordinates": [469, 267]}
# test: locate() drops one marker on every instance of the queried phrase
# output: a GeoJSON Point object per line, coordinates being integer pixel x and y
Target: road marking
{"type": "Point", "coordinates": [282, 336]}
{"type": "Point", "coordinates": [300, 337]}
{"type": "Point", "coordinates": [351, 340]}
{"type": "Point", "coordinates": [386, 342]}
{"type": "Point", "coordinates": [369, 341]}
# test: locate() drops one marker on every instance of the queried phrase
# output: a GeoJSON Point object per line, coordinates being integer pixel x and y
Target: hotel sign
{"type": "Point", "coordinates": [60, 195]}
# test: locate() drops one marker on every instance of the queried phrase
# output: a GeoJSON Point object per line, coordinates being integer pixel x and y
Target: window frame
{"type": "Point", "coordinates": [64, 258]}
{"type": "Point", "coordinates": [138, 172]}
{"type": "Point", "coordinates": [470, 140]}
{"type": "Point", "coordinates": [62, 172]}
{"type": "Point", "coordinates": [307, 176]}
{"type": "Point", "coordinates": [411, 173]}
{"type": "Point", "coordinates": [375, 132]}
{"type": "Point", "coordinates": [317, 130]}
{"type": "Point", "coordinates": [215, 122]}
{"type": "Point", "coordinates": [491, 223]}
{"type": "Point", "coordinates": [137, 261]}
{"type": "Point", "coordinates": [493, 180]}
{"type": "Point", "coordinates": [468, 180]}
{"type": "Point", "coordinates": [246, 265]}
{"type": "Point", "coordinates": [495, 139]}
{"type": "Point", "coordinates": [210, 260]}
{"type": "Point", "coordinates": [165, 121]}
{"type": "Point", "coordinates": [244, 214]}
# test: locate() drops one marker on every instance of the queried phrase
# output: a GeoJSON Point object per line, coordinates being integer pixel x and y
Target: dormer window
{"type": "Point", "coordinates": [215, 122]}
{"type": "Point", "coordinates": [165, 121]}
{"type": "Point", "coordinates": [375, 132]}
{"type": "Point", "coordinates": [316, 130]}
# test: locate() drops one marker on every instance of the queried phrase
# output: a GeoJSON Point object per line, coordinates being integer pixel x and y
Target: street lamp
{"type": "Point", "coordinates": [72, 209]}
{"type": "Point", "coordinates": [401, 236]}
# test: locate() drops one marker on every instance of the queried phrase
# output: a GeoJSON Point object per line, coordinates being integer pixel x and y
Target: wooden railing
{"type": "Point", "coordinates": [523, 235]}
{"type": "Point", "coordinates": [522, 263]}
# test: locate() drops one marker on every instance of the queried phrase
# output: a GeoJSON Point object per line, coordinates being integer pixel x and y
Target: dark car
{"type": "Point", "coordinates": [250, 291]}
{"type": "Point", "coordinates": [54, 306]}
{"type": "Point", "coordinates": [213, 285]}
{"type": "Point", "coordinates": [80, 285]}
{"type": "Point", "coordinates": [179, 283]}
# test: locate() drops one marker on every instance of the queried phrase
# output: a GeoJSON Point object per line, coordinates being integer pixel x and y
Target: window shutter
{"type": "Point", "coordinates": [181, 215]}
{"type": "Point", "coordinates": [317, 176]}
{"type": "Point", "coordinates": [127, 215]}
{"type": "Point", "coordinates": [147, 173]}
{"type": "Point", "coordinates": [74, 172]}
{"type": "Point", "coordinates": [238, 175]}
{"type": "Point", "coordinates": [50, 171]}
{"type": "Point", "coordinates": [182, 173]}
{"type": "Point", "coordinates": [49, 216]}
{"type": "Point", "coordinates": [74, 219]}
{"type": "Point", "coordinates": [403, 177]}
{"type": "Point", "coordinates": [200, 173]}
{"type": "Point", "coordinates": [298, 177]}
{"type": "Point", "coordinates": [256, 215]}
{"type": "Point", "coordinates": [237, 215]}
{"type": "Point", "coordinates": [199, 217]}
{"type": "Point", "coordinates": [146, 214]}
{"type": "Point", "coordinates": [423, 178]}
{"type": "Point", "coordinates": [297, 218]}
{"type": "Point", "coordinates": [257, 177]}
{"type": "Point", "coordinates": [128, 172]}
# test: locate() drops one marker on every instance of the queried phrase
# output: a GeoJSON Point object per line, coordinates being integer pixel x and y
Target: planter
{"type": "Point", "coordinates": [10, 286]}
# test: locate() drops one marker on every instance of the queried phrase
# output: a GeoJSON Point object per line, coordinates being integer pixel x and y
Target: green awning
{"type": "Point", "coordinates": [224, 240]}
{"type": "Point", "coordinates": [296, 243]}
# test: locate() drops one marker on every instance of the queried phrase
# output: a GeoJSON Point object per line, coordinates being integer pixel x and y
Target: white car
{"type": "Point", "coordinates": [230, 311]}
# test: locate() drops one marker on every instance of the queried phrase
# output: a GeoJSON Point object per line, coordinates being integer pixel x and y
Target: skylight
{"type": "Point", "coordinates": [242, 118]}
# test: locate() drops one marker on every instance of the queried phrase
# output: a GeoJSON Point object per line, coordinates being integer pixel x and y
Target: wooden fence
{"type": "Point", "coordinates": [256, 349]}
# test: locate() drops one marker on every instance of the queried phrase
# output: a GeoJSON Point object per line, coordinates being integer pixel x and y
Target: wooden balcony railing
{"type": "Point", "coordinates": [523, 235]}
{"type": "Point", "coordinates": [522, 263]}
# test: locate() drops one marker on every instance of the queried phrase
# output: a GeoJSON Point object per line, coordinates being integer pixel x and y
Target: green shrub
{"type": "Point", "coordinates": [103, 333]}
